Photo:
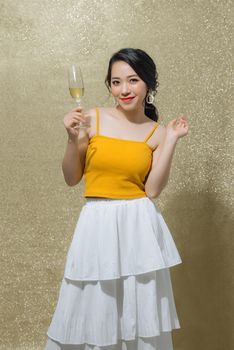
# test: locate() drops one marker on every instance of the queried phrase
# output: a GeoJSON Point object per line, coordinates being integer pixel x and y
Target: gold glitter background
{"type": "Point", "coordinates": [192, 45]}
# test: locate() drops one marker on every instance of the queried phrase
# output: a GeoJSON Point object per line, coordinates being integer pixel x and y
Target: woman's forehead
{"type": "Point", "coordinates": [121, 69]}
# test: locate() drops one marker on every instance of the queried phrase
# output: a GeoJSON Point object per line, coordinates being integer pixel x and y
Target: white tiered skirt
{"type": "Point", "coordinates": [116, 293]}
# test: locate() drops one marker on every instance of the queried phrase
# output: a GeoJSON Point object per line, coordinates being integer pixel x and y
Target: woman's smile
{"type": "Point", "coordinates": [127, 99]}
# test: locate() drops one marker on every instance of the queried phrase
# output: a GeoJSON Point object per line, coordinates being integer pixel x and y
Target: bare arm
{"type": "Point", "coordinates": [74, 159]}
{"type": "Point", "coordinates": [163, 155]}
{"type": "Point", "coordinates": [78, 139]}
{"type": "Point", "coordinates": [161, 165]}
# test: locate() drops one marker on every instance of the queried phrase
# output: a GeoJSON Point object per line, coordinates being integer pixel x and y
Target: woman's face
{"type": "Point", "coordinates": [128, 89]}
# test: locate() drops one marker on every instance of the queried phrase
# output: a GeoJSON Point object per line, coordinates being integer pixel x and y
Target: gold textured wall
{"type": "Point", "coordinates": [191, 42]}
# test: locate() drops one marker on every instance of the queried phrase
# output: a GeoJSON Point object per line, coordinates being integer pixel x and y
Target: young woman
{"type": "Point", "coordinates": [116, 292]}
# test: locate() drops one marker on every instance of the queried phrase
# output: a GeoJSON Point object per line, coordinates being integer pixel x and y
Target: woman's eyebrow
{"type": "Point", "coordinates": [129, 76]}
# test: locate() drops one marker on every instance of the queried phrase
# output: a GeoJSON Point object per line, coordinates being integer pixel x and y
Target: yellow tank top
{"type": "Point", "coordinates": [116, 168]}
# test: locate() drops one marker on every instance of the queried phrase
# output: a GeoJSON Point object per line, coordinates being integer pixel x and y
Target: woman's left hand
{"type": "Point", "coordinates": [177, 128]}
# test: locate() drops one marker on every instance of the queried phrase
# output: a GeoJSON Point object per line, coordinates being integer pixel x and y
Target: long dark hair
{"type": "Point", "coordinates": [145, 68]}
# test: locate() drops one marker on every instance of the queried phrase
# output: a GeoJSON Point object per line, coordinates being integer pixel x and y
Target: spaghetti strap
{"type": "Point", "coordinates": [97, 121]}
{"type": "Point", "coordinates": [151, 132]}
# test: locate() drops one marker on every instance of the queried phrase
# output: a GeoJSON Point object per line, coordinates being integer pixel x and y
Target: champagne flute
{"type": "Point", "coordinates": [76, 88]}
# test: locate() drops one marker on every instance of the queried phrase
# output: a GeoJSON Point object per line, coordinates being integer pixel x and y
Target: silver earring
{"type": "Point", "coordinates": [150, 97]}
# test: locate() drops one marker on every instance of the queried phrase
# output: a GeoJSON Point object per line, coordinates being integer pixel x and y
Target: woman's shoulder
{"type": "Point", "coordinates": [91, 115]}
{"type": "Point", "coordinates": [158, 133]}
{"type": "Point", "coordinates": [101, 110]}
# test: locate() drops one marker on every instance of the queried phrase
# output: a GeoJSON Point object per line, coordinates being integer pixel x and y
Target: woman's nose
{"type": "Point", "coordinates": [125, 88]}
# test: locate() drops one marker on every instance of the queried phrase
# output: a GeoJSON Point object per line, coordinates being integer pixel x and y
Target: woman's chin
{"type": "Point", "coordinates": [129, 106]}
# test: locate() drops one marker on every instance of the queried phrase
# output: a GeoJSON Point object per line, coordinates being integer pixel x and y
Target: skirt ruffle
{"type": "Point", "coordinates": [126, 237]}
{"type": "Point", "coordinates": [116, 291]}
{"type": "Point", "coordinates": [162, 342]}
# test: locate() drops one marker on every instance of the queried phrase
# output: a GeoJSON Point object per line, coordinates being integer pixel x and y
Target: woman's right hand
{"type": "Point", "coordinates": [71, 121]}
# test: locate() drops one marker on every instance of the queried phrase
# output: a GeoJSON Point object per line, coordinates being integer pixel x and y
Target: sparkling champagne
{"type": "Point", "coordinates": [76, 92]}
{"type": "Point", "coordinates": [76, 88]}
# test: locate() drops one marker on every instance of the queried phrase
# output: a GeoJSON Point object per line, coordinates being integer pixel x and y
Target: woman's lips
{"type": "Point", "coordinates": [128, 99]}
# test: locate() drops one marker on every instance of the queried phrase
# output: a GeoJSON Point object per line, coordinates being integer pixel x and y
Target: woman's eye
{"type": "Point", "coordinates": [134, 80]}
{"type": "Point", "coordinates": [115, 81]}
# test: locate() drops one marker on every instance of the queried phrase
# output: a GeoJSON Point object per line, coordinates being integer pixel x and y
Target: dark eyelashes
{"type": "Point", "coordinates": [116, 81]}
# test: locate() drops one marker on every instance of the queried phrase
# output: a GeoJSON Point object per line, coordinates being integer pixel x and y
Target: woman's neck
{"type": "Point", "coordinates": [132, 116]}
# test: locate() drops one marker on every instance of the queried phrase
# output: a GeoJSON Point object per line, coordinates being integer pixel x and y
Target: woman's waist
{"type": "Point", "coordinates": [113, 201]}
